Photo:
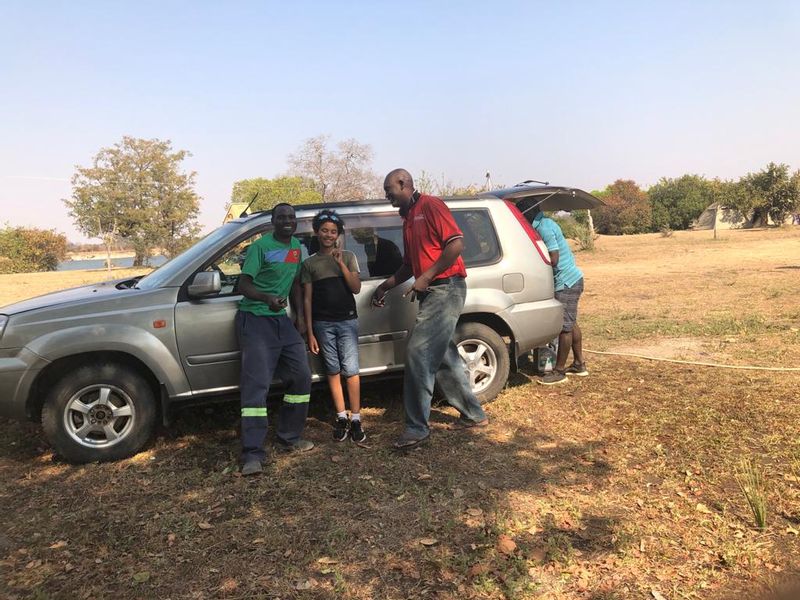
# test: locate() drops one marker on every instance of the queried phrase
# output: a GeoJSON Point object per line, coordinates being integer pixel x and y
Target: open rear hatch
{"type": "Point", "coordinates": [547, 197]}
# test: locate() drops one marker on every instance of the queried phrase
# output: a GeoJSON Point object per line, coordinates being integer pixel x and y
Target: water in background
{"type": "Point", "coordinates": [100, 263]}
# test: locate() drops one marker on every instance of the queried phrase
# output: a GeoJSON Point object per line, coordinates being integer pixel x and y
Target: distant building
{"type": "Point", "coordinates": [234, 210]}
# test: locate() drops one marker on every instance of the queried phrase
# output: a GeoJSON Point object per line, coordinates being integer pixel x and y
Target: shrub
{"type": "Point", "coordinates": [751, 481]}
{"type": "Point", "coordinates": [576, 228]}
{"type": "Point", "coordinates": [24, 250]}
{"type": "Point", "coordinates": [627, 209]}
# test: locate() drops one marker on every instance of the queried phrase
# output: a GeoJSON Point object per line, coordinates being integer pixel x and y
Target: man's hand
{"type": "Point", "coordinates": [379, 296]}
{"type": "Point", "coordinates": [276, 303]}
{"type": "Point", "coordinates": [421, 285]}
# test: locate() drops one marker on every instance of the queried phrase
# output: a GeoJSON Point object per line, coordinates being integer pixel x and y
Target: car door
{"type": "Point", "coordinates": [376, 239]}
{"type": "Point", "coordinates": [204, 327]}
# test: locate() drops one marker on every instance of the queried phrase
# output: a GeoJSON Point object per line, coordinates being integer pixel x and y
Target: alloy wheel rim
{"type": "Point", "coordinates": [99, 416]}
{"type": "Point", "coordinates": [480, 361]}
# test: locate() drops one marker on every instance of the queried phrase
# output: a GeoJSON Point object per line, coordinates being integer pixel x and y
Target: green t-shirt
{"type": "Point", "coordinates": [273, 266]}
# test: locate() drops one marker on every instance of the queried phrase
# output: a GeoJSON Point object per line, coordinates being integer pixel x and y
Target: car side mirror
{"type": "Point", "coordinates": [205, 283]}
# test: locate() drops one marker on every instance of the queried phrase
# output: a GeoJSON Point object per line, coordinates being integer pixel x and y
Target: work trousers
{"type": "Point", "coordinates": [271, 346]}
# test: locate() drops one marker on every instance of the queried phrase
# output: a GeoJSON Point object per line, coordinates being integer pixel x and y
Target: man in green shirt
{"type": "Point", "coordinates": [270, 342]}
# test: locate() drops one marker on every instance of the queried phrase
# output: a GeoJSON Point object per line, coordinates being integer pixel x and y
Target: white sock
{"type": "Point", "coordinates": [355, 416]}
{"type": "Point", "coordinates": [341, 415]}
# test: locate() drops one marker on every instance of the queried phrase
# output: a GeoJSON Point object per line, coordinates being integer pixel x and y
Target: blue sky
{"type": "Point", "coordinates": [577, 93]}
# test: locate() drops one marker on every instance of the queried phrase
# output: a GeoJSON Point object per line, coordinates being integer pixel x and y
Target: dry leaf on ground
{"type": "Point", "coordinates": [505, 545]}
{"type": "Point", "coordinates": [428, 541]}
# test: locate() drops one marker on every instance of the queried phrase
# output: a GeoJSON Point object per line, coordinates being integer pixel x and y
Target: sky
{"type": "Point", "coordinates": [574, 93]}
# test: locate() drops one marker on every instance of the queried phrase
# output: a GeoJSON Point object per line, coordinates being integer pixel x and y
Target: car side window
{"type": "Point", "coordinates": [229, 264]}
{"type": "Point", "coordinates": [377, 242]}
{"type": "Point", "coordinates": [480, 238]}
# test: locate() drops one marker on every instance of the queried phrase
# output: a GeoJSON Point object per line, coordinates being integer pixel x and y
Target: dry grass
{"type": "Point", "coordinates": [617, 485]}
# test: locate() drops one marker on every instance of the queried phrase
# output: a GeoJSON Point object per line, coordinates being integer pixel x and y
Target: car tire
{"type": "Point", "coordinates": [99, 412]}
{"type": "Point", "coordinates": [486, 357]}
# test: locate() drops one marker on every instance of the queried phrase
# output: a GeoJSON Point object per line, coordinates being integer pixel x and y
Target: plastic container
{"type": "Point", "coordinates": [544, 358]}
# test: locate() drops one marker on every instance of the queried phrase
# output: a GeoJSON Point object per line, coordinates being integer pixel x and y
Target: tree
{"type": "Point", "coordinates": [294, 190]}
{"type": "Point", "coordinates": [627, 209]}
{"type": "Point", "coordinates": [24, 250]}
{"type": "Point", "coordinates": [773, 192]}
{"type": "Point", "coordinates": [678, 202]}
{"type": "Point", "coordinates": [136, 188]}
{"type": "Point", "coordinates": [338, 175]}
{"type": "Point", "coordinates": [426, 183]}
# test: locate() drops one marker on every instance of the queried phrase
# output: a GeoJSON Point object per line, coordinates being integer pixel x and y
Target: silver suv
{"type": "Point", "coordinates": [100, 364]}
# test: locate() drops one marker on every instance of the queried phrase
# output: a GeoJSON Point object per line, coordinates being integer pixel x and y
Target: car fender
{"type": "Point", "coordinates": [148, 348]}
{"type": "Point", "coordinates": [486, 300]}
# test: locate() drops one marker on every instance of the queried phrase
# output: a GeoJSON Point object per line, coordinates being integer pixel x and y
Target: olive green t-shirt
{"type": "Point", "coordinates": [273, 266]}
{"type": "Point", "coordinates": [331, 298]}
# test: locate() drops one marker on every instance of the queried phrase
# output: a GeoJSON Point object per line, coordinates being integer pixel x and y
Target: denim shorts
{"type": "Point", "coordinates": [569, 297]}
{"type": "Point", "coordinates": [338, 342]}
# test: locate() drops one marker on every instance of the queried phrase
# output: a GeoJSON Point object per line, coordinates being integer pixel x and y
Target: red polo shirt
{"type": "Point", "coordinates": [428, 227]}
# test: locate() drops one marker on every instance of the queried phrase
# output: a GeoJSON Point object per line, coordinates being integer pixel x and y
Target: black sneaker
{"type": "Point", "coordinates": [554, 377]}
{"type": "Point", "coordinates": [578, 369]}
{"type": "Point", "coordinates": [340, 429]}
{"type": "Point", "coordinates": [356, 433]}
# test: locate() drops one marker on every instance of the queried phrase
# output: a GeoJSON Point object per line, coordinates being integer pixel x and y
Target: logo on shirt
{"type": "Point", "coordinates": [282, 256]}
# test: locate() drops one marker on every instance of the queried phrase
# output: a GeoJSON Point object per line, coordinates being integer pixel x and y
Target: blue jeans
{"type": "Point", "coordinates": [432, 356]}
{"type": "Point", "coordinates": [338, 341]}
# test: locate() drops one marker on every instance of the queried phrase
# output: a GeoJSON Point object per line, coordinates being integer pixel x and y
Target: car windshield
{"type": "Point", "coordinates": [169, 269]}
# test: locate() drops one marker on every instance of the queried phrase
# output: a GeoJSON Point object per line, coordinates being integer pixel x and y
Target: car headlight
{"type": "Point", "coordinates": [3, 321]}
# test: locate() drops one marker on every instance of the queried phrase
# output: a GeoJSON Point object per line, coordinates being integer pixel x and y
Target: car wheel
{"type": "Point", "coordinates": [486, 358]}
{"type": "Point", "coordinates": [99, 412]}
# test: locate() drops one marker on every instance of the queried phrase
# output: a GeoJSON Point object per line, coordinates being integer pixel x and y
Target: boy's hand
{"type": "Point", "coordinates": [312, 344]}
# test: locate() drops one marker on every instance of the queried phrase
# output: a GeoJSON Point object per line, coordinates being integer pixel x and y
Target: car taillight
{"type": "Point", "coordinates": [532, 234]}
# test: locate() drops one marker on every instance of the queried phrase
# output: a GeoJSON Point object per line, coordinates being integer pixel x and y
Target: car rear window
{"type": "Point", "coordinates": [480, 238]}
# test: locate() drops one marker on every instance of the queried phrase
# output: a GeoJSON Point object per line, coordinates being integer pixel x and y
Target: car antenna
{"type": "Point", "coordinates": [527, 181]}
{"type": "Point", "coordinates": [244, 212]}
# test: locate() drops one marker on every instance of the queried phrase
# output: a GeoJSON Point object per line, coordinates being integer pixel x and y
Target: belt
{"type": "Point", "coordinates": [446, 280]}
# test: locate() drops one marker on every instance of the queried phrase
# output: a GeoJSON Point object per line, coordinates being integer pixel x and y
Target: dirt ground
{"type": "Point", "coordinates": [618, 485]}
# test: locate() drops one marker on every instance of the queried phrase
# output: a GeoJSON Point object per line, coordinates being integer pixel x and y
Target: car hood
{"type": "Point", "coordinates": [78, 294]}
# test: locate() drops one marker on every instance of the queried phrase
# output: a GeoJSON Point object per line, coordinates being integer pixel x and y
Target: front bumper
{"type": "Point", "coordinates": [19, 368]}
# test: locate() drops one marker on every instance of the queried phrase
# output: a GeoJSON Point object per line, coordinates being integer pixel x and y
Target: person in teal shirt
{"type": "Point", "coordinates": [270, 342]}
{"type": "Point", "coordinates": [568, 285]}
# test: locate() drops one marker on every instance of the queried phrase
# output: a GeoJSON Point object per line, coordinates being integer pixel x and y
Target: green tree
{"type": "Point", "coordinates": [294, 190]}
{"type": "Point", "coordinates": [627, 209]}
{"type": "Point", "coordinates": [343, 173]}
{"type": "Point", "coordinates": [23, 250]}
{"type": "Point", "coordinates": [773, 191]}
{"type": "Point", "coordinates": [678, 202]}
{"type": "Point", "coordinates": [136, 191]}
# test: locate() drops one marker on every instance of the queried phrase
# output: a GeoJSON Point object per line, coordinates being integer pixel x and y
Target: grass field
{"type": "Point", "coordinates": [622, 484]}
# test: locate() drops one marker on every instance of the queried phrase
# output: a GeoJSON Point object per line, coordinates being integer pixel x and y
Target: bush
{"type": "Point", "coordinates": [627, 209]}
{"type": "Point", "coordinates": [24, 250]}
{"type": "Point", "coordinates": [678, 202]}
{"type": "Point", "coordinates": [574, 229]}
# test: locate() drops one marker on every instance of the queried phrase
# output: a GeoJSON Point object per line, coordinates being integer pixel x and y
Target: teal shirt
{"type": "Point", "coordinates": [566, 273]}
{"type": "Point", "coordinates": [273, 267]}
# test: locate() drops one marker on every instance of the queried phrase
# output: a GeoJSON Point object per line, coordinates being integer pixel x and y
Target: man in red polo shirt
{"type": "Point", "coordinates": [433, 245]}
